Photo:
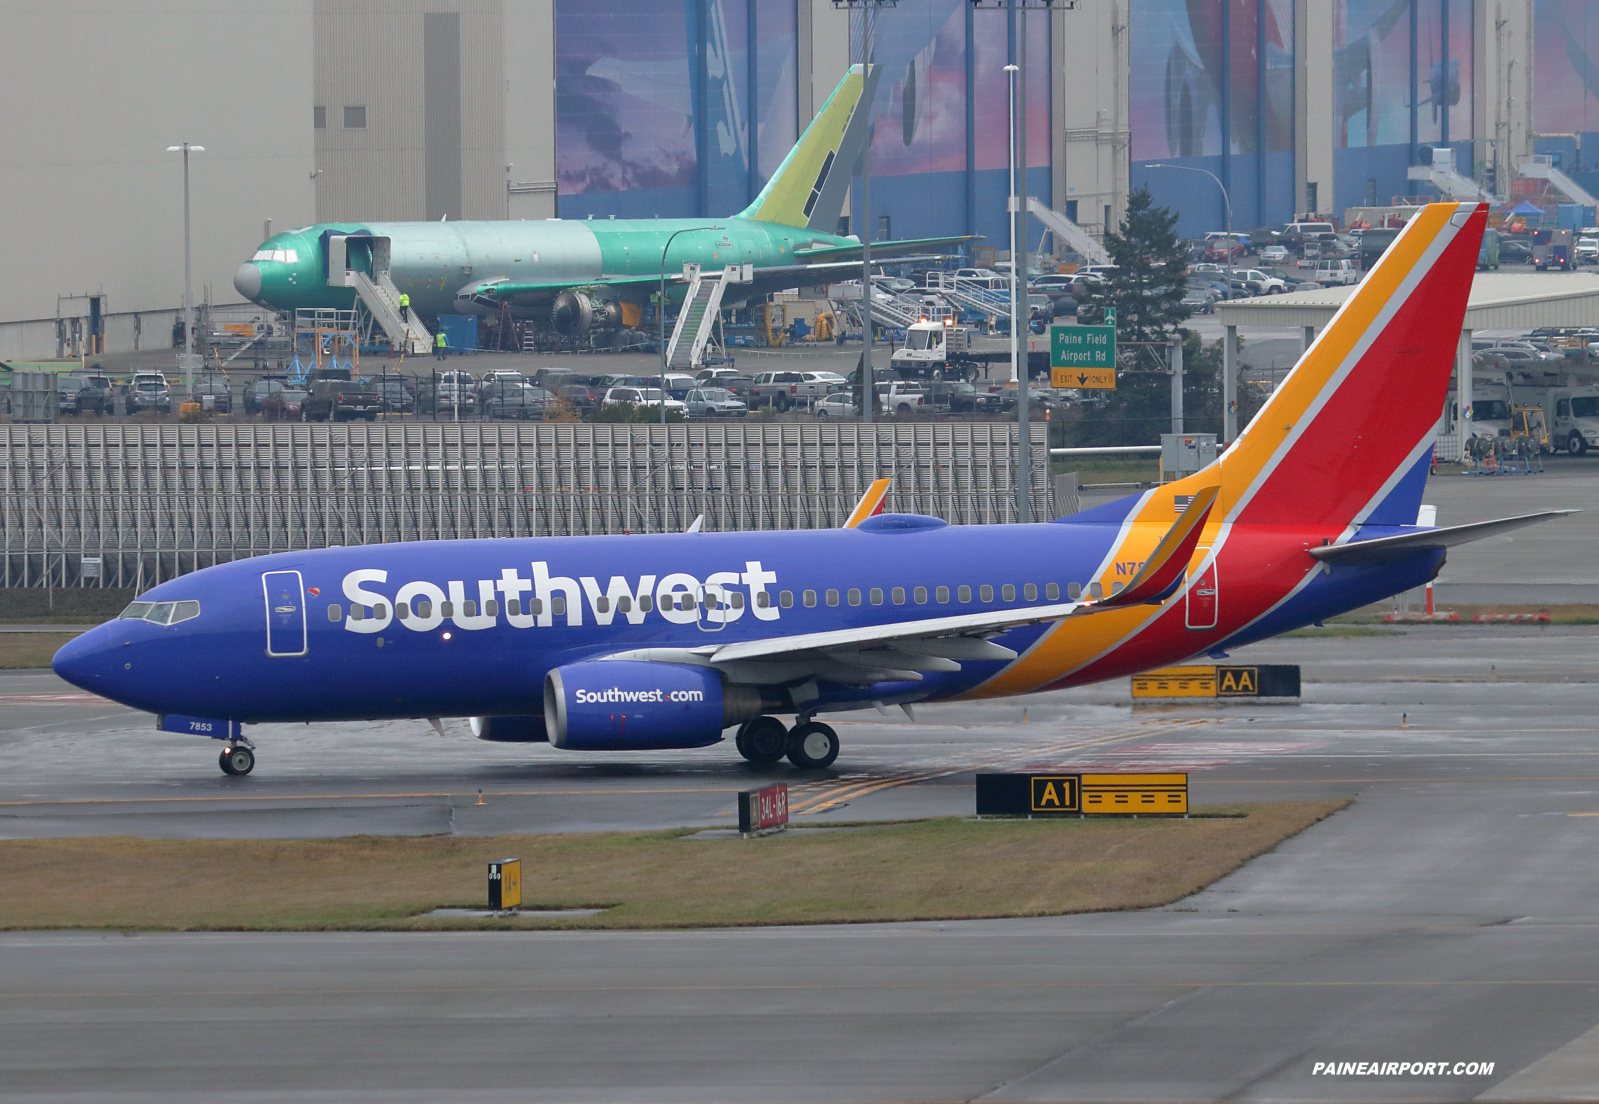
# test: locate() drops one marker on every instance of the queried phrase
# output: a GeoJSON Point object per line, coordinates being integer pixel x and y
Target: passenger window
{"type": "Point", "coordinates": [987, 593]}
{"type": "Point", "coordinates": [832, 597]}
{"type": "Point", "coordinates": [424, 609]}
{"type": "Point", "coordinates": [942, 594]}
{"type": "Point", "coordinates": [898, 595]}
{"type": "Point", "coordinates": [809, 599]}
{"type": "Point", "coordinates": [469, 609]}
{"type": "Point", "coordinates": [491, 608]}
{"type": "Point", "coordinates": [1052, 592]}
{"type": "Point", "coordinates": [919, 595]}
{"type": "Point", "coordinates": [877, 596]}
{"type": "Point", "coordinates": [1030, 592]}
{"type": "Point", "coordinates": [1008, 592]}
{"type": "Point", "coordinates": [737, 598]}
{"type": "Point", "coordinates": [964, 593]}
{"type": "Point", "coordinates": [786, 599]}
{"type": "Point", "coordinates": [557, 605]}
{"type": "Point", "coordinates": [854, 597]}
{"type": "Point", "coordinates": [1074, 591]}
{"type": "Point", "coordinates": [763, 599]}
{"type": "Point", "coordinates": [379, 611]}
{"type": "Point", "coordinates": [646, 603]}
{"type": "Point", "coordinates": [335, 613]}
{"type": "Point", "coordinates": [1096, 591]}
{"type": "Point", "coordinates": [357, 613]}
{"type": "Point", "coordinates": [602, 604]}
{"type": "Point", "coordinates": [1117, 587]}
{"type": "Point", "coordinates": [513, 607]}
{"type": "Point", "coordinates": [137, 610]}
{"type": "Point", "coordinates": [624, 604]}
{"type": "Point", "coordinates": [402, 610]}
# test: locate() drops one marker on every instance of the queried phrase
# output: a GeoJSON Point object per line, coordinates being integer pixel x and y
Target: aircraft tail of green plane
{"type": "Point", "coordinates": [808, 188]}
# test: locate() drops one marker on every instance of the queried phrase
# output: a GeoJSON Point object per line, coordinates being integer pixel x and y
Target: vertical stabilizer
{"type": "Point", "coordinates": [808, 188]}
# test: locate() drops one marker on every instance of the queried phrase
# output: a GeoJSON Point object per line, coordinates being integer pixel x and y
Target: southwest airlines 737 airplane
{"type": "Point", "coordinates": [666, 641]}
{"type": "Point", "coordinates": [576, 274]}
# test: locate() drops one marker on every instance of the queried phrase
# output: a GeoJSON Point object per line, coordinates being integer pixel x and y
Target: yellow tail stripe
{"type": "Point", "coordinates": [870, 503]}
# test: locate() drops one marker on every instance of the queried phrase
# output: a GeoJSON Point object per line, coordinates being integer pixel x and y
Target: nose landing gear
{"type": "Point", "coordinates": [238, 757]}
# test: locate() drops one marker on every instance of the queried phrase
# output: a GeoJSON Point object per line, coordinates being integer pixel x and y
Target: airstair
{"type": "Point", "coordinates": [1441, 174]}
{"type": "Point", "coordinates": [1541, 167]}
{"type": "Point", "coordinates": [702, 305]}
{"type": "Point", "coordinates": [377, 291]}
{"type": "Point", "coordinates": [1065, 230]}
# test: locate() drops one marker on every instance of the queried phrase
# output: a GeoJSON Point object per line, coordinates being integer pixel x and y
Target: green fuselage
{"type": "Point", "coordinates": [451, 267]}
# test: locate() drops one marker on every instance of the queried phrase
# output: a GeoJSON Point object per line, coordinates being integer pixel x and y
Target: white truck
{"type": "Point", "coordinates": [935, 350]}
{"type": "Point", "coordinates": [1573, 418]}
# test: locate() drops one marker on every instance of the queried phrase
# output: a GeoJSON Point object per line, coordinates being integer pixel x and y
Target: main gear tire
{"type": "Point", "coordinates": [812, 746]}
{"type": "Point", "coordinates": [763, 741]}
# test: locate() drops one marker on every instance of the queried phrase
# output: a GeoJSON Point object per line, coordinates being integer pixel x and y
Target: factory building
{"type": "Point", "coordinates": [346, 110]}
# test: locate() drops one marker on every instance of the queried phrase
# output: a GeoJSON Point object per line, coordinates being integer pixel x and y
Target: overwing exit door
{"type": "Point", "coordinates": [285, 612]}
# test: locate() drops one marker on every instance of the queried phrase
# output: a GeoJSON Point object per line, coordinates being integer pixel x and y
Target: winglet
{"type": "Point", "coordinates": [1164, 569]}
{"type": "Point", "coordinates": [871, 503]}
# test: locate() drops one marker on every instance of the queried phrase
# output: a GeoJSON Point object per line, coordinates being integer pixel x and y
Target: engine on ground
{"type": "Point", "coordinates": [576, 312]}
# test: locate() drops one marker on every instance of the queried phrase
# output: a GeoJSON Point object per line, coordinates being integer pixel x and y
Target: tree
{"type": "Point", "coordinates": [1150, 276]}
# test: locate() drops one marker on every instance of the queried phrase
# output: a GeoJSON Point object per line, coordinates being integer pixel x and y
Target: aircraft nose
{"type": "Point", "coordinates": [85, 660]}
{"type": "Point", "coordinates": [248, 281]}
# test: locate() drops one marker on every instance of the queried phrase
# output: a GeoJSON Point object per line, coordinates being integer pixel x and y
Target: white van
{"type": "Point", "coordinates": [1330, 272]}
{"type": "Point", "coordinates": [1574, 421]}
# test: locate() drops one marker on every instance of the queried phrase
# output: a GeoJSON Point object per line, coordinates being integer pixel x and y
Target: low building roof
{"type": "Point", "coordinates": [1499, 301]}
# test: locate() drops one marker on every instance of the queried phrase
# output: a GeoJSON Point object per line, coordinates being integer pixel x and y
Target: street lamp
{"type": "Point", "coordinates": [188, 268]}
{"type": "Point", "coordinates": [1225, 202]}
{"type": "Point", "coordinates": [660, 306]}
{"type": "Point", "coordinates": [1018, 359]}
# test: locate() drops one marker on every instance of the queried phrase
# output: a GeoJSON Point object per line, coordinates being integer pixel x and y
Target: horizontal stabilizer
{"type": "Point", "coordinates": [1387, 549]}
{"type": "Point", "coordinates": [1164, 569]}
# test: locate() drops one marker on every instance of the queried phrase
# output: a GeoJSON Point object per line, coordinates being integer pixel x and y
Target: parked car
{"type": "Point", "coordinates": [257, 393]}
{"type": "Point", "coordinates": [900, 396]}
{"type": "Point", "coordinates": [1262, 282]}
{"type": "Point", "coordinates": [149, 393]}
{"type": "Point", "coordinates": [1219, 247]}
{"type": "Point", "coordinates": [1333, 272]}
{"type": "Point", "coordinates": [454, 390]}
{"type": "Point", "coordinates": [83, 393]}
{"type": "Point", "coordinates": [1588, 250]}
{"type": "Point", "coordinates": [1053, 284]}
{"type": "Point", "coordinates": [837, 403]}
{"type": "Point", "coordinates": [955, 396]}
{"type": "Point", "coordinates": [284, 405]}
{"type": "Point", "coordinates": [394, 394]}
{"type": "Point", "coordinates": [215, 387]}
{"type": "Point", "coordinates": [1274, 255]}
{"type": "Point", "coordinates": [1200, 300]}
{"type": "Point", "coordinates": [1514, 251]}
{"type": "Point", "coordinates": [504, 398]}
{"type": "Point", "coordinates": [582, 397]}
{"type": "Point", "coordinates": [643, 396]}
{"type": "Point", "coordinates": [782, 390]}
{"type": "Point", "coordinates": [335, 400]}
{"type": "Point", "coordinates": [714, 402]}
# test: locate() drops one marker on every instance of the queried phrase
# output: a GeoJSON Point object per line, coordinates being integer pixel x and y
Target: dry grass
{"type": "Point", "coordinates": [933, 869]}
{"type": "Point", "coordinates": [1574, 614]}
{"type": "Point", "coordinates": [30, 649]}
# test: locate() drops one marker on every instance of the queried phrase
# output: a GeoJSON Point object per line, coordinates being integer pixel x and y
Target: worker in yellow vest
{"type": "Point", "coordinates": [405, 307]}
{"type": "Point", "coordinates": [438, 345]}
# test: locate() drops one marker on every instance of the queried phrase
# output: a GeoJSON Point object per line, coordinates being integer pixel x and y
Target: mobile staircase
{"type": "Point", "coordinates": [1068, 232]}
{"type": "Point", "coordinates": [376, 290]}
{"type": "Point", "coordinates": [702, 306]}
{"type": "Point", "coordinates": [1541, 167]}
{"type": "Point", "coordinates": [1441, 174]}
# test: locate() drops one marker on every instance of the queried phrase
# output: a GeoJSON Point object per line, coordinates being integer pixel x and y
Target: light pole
{"type": "Point", "coordinates": [660, 306]}
{"type": "Point", "coordinates": [1229, 381]}
{"type": "Point", "coordinates": [1018, 359]}
{"type": "Point", "coordinates": [188, 268]}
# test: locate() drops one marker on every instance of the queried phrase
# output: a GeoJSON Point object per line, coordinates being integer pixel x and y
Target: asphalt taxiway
{"type": "Point", "coordinates": [1448, 916]}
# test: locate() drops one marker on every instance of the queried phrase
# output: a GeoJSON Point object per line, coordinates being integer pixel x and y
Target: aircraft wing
{"type": "Point", "coordinates": [882, 249]}
{"type": "Point", "coordinates": [1387, 549]}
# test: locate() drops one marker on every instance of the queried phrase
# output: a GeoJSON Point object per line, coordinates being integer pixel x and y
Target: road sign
{"type": "Point", "coordinates": [1082, 356]}
{"type": "Point", "coordinates": [1110, 316]}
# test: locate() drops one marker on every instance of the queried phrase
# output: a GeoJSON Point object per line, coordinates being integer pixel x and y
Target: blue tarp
{"type": "Point", "coordinates": [460, 331]}
{"type": "Point", "coordinates": [1525, 208]}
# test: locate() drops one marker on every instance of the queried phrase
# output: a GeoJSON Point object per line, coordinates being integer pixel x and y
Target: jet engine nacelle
{"type": "Point", "coordinates": [511, 730]}
{"type": "Point", "coordinates": [576, 312]}
{"type": "Point", "coordinates": [627, 705]}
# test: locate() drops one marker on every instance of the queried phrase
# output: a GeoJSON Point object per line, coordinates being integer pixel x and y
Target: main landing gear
{"type": "Point", "coordinates": [810, 745]}
{"type": "Point", "coordinates": [238, 757]}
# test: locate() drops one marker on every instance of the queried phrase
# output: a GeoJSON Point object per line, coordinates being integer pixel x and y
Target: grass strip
{"type": "Point", "coordinates": [949, 868]}
{"type": "Point", "coordinates": [29, 649]}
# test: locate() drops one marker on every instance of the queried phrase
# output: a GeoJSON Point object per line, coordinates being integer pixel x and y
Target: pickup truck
{"type": "Point", "coordinates": [341, 401]}
{"type": "Point", "coordinates": [785, 389]}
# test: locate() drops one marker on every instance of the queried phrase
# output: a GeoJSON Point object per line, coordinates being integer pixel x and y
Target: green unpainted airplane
{"type": "Point", "coordinates": [578, 273]}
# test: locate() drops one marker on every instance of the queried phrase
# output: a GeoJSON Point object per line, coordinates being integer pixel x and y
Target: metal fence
{"type": "Point", "coordinates": [155, 501]}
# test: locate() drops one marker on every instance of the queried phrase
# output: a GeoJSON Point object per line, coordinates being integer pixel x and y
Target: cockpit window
{"type": "Point", "coordinates": [161, 613]}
